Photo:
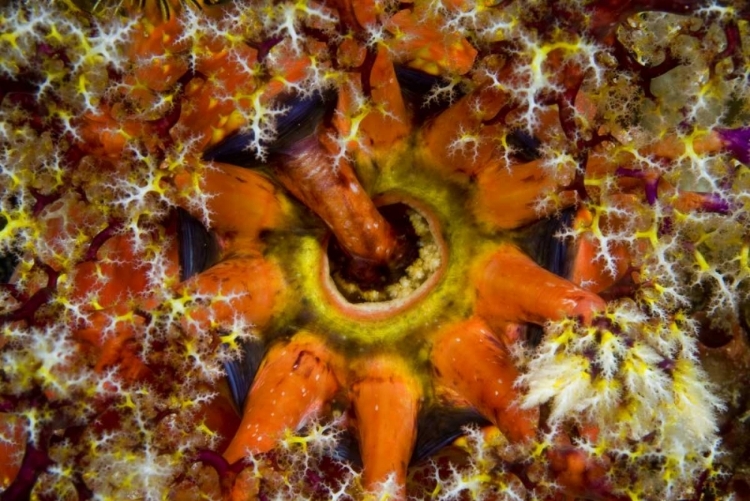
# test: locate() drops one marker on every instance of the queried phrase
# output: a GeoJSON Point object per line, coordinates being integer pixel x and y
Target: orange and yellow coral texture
{"type": "Point", "coordinates": [374, 249]}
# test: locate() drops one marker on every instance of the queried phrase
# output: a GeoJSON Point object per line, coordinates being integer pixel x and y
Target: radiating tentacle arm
{"type": "Point", "coordinates": [240, 203]}
{"type": "Point", "coordinates": [293, 385]}
{"type": "Point", "coordinates": [511, 287]}
{"type": "Point", "coordinates": [457, 140]}
{"type": "Point", "coordinates": [469, 359]}
{"type": "Point", "coordinates": [367, 130]}
{"type": "Point", "coordinates": [386, 402]}
{"type": "Point", "coordinates": [248, 285]}
{"type": "Point", "coordinates": [335, 194]}
{"type": "Point", "coordinates": [521, 187]}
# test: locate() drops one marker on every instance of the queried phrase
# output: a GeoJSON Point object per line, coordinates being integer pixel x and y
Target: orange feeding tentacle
{"type": "Point", "coordinates": [457, 140]}
{"type": "Point", "coordinates": [293, 384]}
{"type": "Point", "coordinates": [521, 187]}
{"type": "Point", "coordinates": [511, 287]}
{"type": "Point", "coordinates": [586, 270]}
{"type": "Point", "coordinates": [389, 124]}
{"type": "Point", "coordinates": [242, 203]}
{"type": "Point", "coordinates": [335, 194]}
{"type": "Point", "coordinates": [469, 359]}
{"type": "Point", "coordinates": [247, 286]}
{"type": "Point", "coordinates": [386, 402]}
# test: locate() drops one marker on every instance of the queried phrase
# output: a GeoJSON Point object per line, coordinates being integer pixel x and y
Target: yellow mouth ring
{"type": "Point", "coordinates": [381, 310]}
{"type": "Point", "coordinates": [446, 294]}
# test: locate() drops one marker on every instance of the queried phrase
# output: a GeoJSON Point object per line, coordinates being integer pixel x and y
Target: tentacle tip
{"type": "Point", "coordinates": [588, 307]}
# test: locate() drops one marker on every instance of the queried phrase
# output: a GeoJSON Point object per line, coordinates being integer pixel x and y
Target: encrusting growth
{"type": "Point", "coordinates": [363, 249]}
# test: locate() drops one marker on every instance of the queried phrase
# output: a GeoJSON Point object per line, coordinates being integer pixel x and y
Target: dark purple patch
{"type": "Point", "coordinates": [737, 143]}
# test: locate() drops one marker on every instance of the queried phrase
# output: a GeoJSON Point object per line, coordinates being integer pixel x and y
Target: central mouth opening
{"type": "Point", "coordinates": [418, 259]}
